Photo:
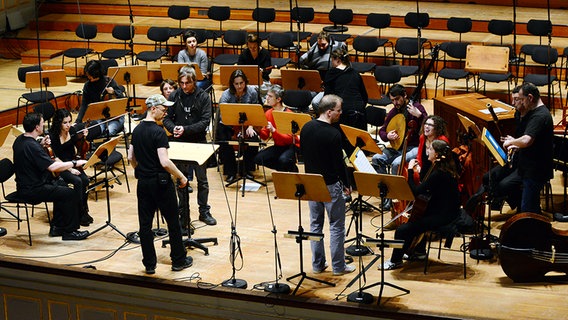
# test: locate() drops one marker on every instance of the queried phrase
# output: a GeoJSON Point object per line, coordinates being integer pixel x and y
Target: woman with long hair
{"type": "Point", "coordinates": [440, 185]}
{"type": "Point", "coordinates": [64, 140]}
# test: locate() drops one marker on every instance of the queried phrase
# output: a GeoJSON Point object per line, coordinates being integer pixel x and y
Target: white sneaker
{"type": "Point", "coordinates": [348, 269]}
{"type": "Point", "coordinates": [389, 265]}
{"type": "Point", "coordinates": [322, 270]}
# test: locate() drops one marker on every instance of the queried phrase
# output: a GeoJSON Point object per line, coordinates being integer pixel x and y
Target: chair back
{"type": "Point", "coordinates": [303, 14]}
{"type": "Point", "coordinates": [178, 12]}
{"type": "Point", "coordinates": [539, 28]}
{"type": "Point", "coordinates": [378, 20]}
{"type": "Point", "coordinates": [23, 70]}
{"type": "Point", "coordinates": [341, 16]}
{"type": "Point", "coordinates": [158, 34]}
{"type": "Point", "coordinates": [459, 25]}
{"type": "Point", "coordinates": [236, 37]}
{"type": "Point", "coordinates": [281, 40]}
{"type": "Point", "coordinates": [376, 115]}
{"type": "Point", "coordinates": [299, 100]}
{"type": "Point", "coordinates": [46, 109]}
{"type": "Point", "coordinates": [264, 15]}
{"type": "Point", "coordinates": [456, 50]}
{"type": "Point", "coordinates": [124, 33]}
{"type": "Point", "coordinates": [86, 31]}
{"type": "Point", "coordinates": [545, 55]}
{"type": "Point", "coordinates": [407, 46]}
{"type": "Point", "coordinates": [415, 20]}
{"type": "Point", "coordinates": [388, 74]}
{"type": "Point", "coordinates": [365, 44]}
{"type": "Point", "coordinates": [500, 28]}
{"type": "Point", "coordinates": [219, 13]}
{"type": "Point", "coordinates": [6, 170]}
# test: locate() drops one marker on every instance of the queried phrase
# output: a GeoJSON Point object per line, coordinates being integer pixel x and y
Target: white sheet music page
{"type": "Point", "coordinates": [360, 161]}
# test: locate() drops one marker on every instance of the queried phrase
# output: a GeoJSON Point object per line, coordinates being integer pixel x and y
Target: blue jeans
{"type": "Point", "coordinates": [392, 157]}
{"type": "Point", "coordinates": [336, 214]}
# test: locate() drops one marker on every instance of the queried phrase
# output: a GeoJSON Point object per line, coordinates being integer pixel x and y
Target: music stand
{"type": "Point", "coordinates": [171, 70]}
{"type": "Point", "coordinates": [106, 109]}
{"type": "Point", "coordinates": [301, 186]}
{"type": "Point", "coordinates": [301, 80]}
{"type": "Point", "coordinates": [129, 76]}
{"type": "Point", "coordinates": [4, 132]}
{"type": "Point", "coordinates": [291, 123]}
{"type": "Point", "coordinates": [360, 139]}
{"type": "Point", "coordinates": [243, 115]}
{"type": "Point", "coordinates": [252, 72]}
{"type": "Point", "coordinates": [200, 153]}
{"type": "Point", "coordinates": [383, 186]}
{"type": "Point", "coordinates": [101, 154]}
{"type": "Point", "coordinates": [41, 79]}
{"type": "Point", "coordinates": [471, 128]}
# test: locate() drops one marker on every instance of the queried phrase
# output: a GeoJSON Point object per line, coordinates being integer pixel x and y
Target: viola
{"type": "Point", "coordinates": [530, 247]}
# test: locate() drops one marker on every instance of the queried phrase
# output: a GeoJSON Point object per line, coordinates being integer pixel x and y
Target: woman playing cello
{"type": "Point", "coordinates": [64, 139]}
{"type": "Point", "coordinates": [441, 185]}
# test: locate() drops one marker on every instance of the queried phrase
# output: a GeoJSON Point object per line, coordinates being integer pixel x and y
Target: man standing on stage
{"type": "Point", "coordinates": [188, 119]}
{"type": "Point", "coordinates": [533, 146]}
{"type": "Point", "coordinates": [148, 154]}
{"type": "Point", "coordinates": [321, 148]}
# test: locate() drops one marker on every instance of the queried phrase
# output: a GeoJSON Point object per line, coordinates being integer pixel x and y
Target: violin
{"type": "Point", "coordinates": [530, 247]}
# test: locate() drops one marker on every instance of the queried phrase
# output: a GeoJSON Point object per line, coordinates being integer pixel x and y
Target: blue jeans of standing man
{"type": "Point", "coordinates": [336, 214]}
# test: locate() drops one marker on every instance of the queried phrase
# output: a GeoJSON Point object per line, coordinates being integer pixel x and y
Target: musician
{"type": "Point", "coordinates": [321, 148]}
{"type": "Point", "coordinates": [192, 54]}
{"type": "Point", "coordinates": [34, 179]}
{"type": "Point", "coordinates": [167, 87]}
{"type": "Point", "coordinates": [414, 114]}
{"type": "Point", "coordinates": [188, 120]}
{"type": "Point", "coordinates": [148, 154]}
{"type": "Point", "coordinates": [505, 180]}
{"type": "Point", "coordinates": [434, 128]}
{"type": "Point", "coordinates": [347, 83]}
{"type": "Point", "coordinates": [239, 91]}
{"type": "Point", "coordinates": [282, 155]}
{"type": "Point", "coordinates": [96, 89]}
{"type": "Point", "coordinates": [533, 146]}
{"type": "Point", "coordinates": [64, 141]}
{"type": "Point", "coordinates": [255, 54]}
{"type": "Point", "coordinates": [441, 185]}
{"type": "Point", "coordinates": [318, 57]}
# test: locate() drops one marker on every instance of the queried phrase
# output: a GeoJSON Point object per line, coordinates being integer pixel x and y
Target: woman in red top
{"type": "Point", "coordinates": [282, 155]}
{"type": "Point", "coordinates": [434, 128]}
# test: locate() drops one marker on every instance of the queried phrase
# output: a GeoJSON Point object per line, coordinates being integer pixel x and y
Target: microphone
{"type": "Point", "coordinates": [493, 115]}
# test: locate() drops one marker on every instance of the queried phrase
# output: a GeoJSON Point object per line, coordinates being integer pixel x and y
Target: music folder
{"type": "Point", "coordinates": [395, 244]}
{"type": "Point", "coordinates": [498, 153]}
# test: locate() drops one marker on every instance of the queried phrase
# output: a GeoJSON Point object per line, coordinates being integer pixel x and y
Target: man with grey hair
{"type": "Point", "coordinates": [323, 154]}
{"type": "Point", "coordinates": [188, 120]}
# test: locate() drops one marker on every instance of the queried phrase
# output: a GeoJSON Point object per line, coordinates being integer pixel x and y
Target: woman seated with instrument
{"type": "Point", "coordinates": [440, 187]}
{"type": "Point", "coordinates": [65, 142]}
{"type": "Point", "coordinates": [434, 128]}
{"type": "Point", "coordinates": [239, 92]}
{"type": "Point", "coordinates": [98, 88]}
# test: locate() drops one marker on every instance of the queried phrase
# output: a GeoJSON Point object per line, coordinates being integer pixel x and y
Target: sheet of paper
{"type": "Point", "coordinates": [360, 162]}
{"type": "Point", "coordinates": [497, 110]}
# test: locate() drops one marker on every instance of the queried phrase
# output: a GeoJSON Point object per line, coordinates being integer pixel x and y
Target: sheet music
{"type": "Point", "coordinates": [360, 161]}
{"type": "Point", "coordinates": [497, 110]}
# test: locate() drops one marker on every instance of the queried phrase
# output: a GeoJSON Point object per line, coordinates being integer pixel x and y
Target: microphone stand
{"type": "Point", "coordinates": [298, 26]}
{"type": "Point", "coordinates": [131, 46]}
{"type": "Point", "coordinates": [549, 65]}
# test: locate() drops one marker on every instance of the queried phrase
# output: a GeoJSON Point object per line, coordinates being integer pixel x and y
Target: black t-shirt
{"type": "Point", "coordinates": [147, 137]}
{"type": "Point", "coordinates": [535, 162]}
{"type": "Point", "coordinates": [30, 163]}
{"type": "Point", "coordinates": [321, 149]}
{"type": "Point", "coordinates": [65, 151]}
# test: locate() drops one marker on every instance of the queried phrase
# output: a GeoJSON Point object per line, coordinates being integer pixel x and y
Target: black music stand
{"type": "Point", "coordinates": [200, 153]}
{"type": "Point", "coordinates": [293, 79]}
{"type": "Point", "coordinates": [101, 154]}
{"type": "Point", "coordinates": [252, 72]}
{"type": "Point", "coordinates": [129, 76]}
{"type": "Point", "coordinates": [43, 79]}
{"type": "Point", "coordinates": [171, 70]}
{"type": "Point", "coordinates": [301, 186]}
{"type": "Point", "coordinates": [360, 139]}
{"type": "Point", "coordinates": [243, 115]}
{"type": "Point", "coordinates": [383, 186]}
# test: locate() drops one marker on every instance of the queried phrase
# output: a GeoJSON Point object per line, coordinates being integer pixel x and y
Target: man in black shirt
{"type": "Point", "coordinates": [188, 119]}
{"type": "Point", "coordinates": [321, 148]}
{"type": "Point", "coordinates": [148, 153]}
{"type": "Point", "coordinates": [34, 179]}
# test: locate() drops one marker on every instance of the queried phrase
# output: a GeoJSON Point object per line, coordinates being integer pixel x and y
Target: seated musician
{"type": "Point", "coordinates": [505, 180]}
{"type": "Point", "coordinates": [255, 54]}
{"type": "Point", "coordinates": [434, 128]}
{"type": "Point", "coordinates": [34, 179]}
{"type": "Point", "coordinates": [282, 155]}
{"type": "Point", "coordinates": [441, 186]}
{"type": "Point", "coordinates": [98, 88]}
{"type": "Point", "coordinates": [239, 91]}
{"type": "Point", "coordinates": [192, 54]}
{"type": "Point", "coordinates": [414, 114]}
{"type": "Point", "coordinates": [64, 141]}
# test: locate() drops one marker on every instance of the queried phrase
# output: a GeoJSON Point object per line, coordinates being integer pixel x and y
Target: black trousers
{"type": "Point", "coordinates": [80, 184]}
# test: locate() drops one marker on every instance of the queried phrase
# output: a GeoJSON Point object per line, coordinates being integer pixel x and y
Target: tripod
{"type": "Point", "coordinates": [302, 187]}
{"type": "Point", "coordinates": [101, 154]}
{"type": "Point", "coordinates": [384, 186]}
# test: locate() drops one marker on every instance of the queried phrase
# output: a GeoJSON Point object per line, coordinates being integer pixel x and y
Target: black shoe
{"type": "Point", "coordinates": [208, 219]}
{"type": "Point", "coordinates": [86, 220]}
{"type": "Point", "coordinates": [186, 264]}
{"type": "Point", "coordinates": [189, 188]}
{"type": "Point", "coordinates": [76, 235]}
{"type": "Point", "coordinates": [497, 204]}
{"type": "Point", "coordinates": [184, 232]}
{"type": "Point", "coordinates": [151, 269]}
{"type": "Point", "coordinates": [249, 176]}
{"type": "Point", "coordinates": [231, 179]}
{"type": "Point", "coordinates": [88, 216]}
{"type": "Point", "coordinates": [473, 202]}
{"type": "Point", "coordinates": [55, 231]}
{"type": "Point", "coordinates": [387, 205]}
{"type": "Point", "coordinates": [557, 216]}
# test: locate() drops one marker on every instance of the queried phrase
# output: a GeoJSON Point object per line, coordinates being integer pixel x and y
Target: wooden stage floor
{"type": "Point", "coordinates": [486, 293]}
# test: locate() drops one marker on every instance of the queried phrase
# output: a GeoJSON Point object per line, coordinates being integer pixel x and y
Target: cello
{"type": "Point", "coordinates": [399, 123]}
{"type": "Point", "coordinates": [529, 247]}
